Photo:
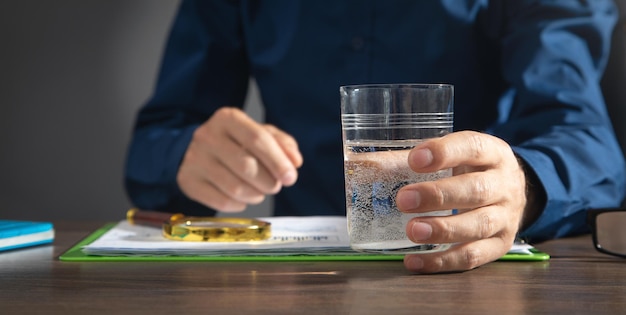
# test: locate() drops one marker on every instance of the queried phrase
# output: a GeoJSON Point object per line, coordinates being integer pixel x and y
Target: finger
{"type": "Point", "coordinates": [458, 148]}
{"type": "Point", "coordinates": [227, 194]}
{"type": "Point", "coordinates": [246, 167]}
{"type": "Point", "coordinates": [207, 161]}
{"type": "Point", "coordinates": [460, 257]}
{"type": "Point", "coordinates": [288, 143]}
{"type": "Point", "coordinates": [206, 193]}
{"type": "Point", "coordinates": [461, 191]}
{"type": "Point", "coordinates": [260, 143]}
{"type": "Point", "coordinates": [235, 188]}
{"type": "Point", "coordinates": [468, 226]}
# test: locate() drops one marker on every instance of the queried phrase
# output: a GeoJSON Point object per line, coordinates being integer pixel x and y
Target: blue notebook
{"type": "Point", "coordinates": [18, 234]}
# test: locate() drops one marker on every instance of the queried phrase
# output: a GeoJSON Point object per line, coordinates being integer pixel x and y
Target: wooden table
{"type": "Point", "coordinates": [577, 280]}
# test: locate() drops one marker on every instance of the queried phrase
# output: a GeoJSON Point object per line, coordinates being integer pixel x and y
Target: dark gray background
{"type": "Point", "coordinates": [72, 75]}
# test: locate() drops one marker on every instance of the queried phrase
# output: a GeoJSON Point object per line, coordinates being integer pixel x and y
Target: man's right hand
{"type": "Point", "coordinates": [233, 161]}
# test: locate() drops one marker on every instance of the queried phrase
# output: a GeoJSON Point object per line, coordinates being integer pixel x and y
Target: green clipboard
{"type": "Point", "coordinates": [535, 255]}
{"type": "Point", "coordinates": [75, 253]}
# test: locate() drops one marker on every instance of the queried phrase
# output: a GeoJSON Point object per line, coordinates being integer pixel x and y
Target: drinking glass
{"type": "Point", "coordinates": [381, 123]}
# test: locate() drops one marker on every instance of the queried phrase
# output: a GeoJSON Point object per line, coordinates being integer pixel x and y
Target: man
{"type": "Point", "coordinates": [534, 147]}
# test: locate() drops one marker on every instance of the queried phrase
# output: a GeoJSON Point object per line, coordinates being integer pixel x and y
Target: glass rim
{"type": "Point", "coordinates": [398, 85]}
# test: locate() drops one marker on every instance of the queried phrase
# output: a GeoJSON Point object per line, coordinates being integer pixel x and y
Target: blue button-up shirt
{"type": "Point", "coordinates": [525, 71]}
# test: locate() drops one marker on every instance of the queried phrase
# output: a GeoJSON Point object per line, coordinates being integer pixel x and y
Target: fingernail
{"type": "Point", "coordinates": [408, 199]}
{"type": "Point", "coordinates": [420, 231]}
{"type": "Point", "coordinates": [421, 158]}
{"type": "Point", "coordinates": [289, 178]}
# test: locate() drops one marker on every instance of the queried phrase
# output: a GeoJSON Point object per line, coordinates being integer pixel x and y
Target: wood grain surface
{"type": "Point", "coordinates": [577, 280]}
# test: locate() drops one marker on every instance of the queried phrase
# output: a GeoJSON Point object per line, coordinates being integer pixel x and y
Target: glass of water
{"type": "Point", "coordinates": [381, 123]}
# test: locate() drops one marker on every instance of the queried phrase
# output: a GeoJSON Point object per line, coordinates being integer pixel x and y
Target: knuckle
{"type": "Point", "coordinates": [486, 226]}
{"type": "Point", "coordinates": [202, 136]}
{"type": "Point", "coordinates": [191, 157]}
{"type": "Point", "coordinates": [271, 128]}
{"type": "Point", "coordinates": [482, 190]}
{"type": "Point", "coordinates": [234, 191]}
{"type": "Point", "coordinates": [471, 258]}
{"type": "Point", "coordinates": [198, 135]}
{"type": "Point", "coordinates": [434, 265]}
{"type": "Point", "coordinates": [226, 112]}
{"type": "Point", "coordinates": [438, 196]}
{"type": "Point", "coordinates": [467, 259]}
{"type": "Point", "coordinates": [181, 179]}
{"type": "Point", "coordinates": [248, 166]}
{"type": "Point", "coordinates": [443, 230]}
{"type": "Point", "coordinates": [477, 145]}
{"type": "Point", "coordinates": [256, 138]}
{"type": "Point", "coordinates": [289, 141]}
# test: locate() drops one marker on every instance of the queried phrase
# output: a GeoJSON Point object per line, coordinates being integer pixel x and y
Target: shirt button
{"type": "Point", "coordinates": [357, 43]}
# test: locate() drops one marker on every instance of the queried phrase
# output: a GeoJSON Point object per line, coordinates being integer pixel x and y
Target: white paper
{"type": "Point", "coordinates": [316, 235]}
{"type": "Point", "coordinates": [290, 235]}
